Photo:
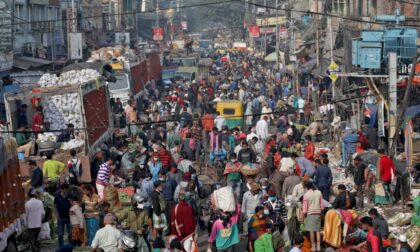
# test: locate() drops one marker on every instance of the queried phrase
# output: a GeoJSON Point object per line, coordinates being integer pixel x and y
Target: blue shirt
{"type": "Point", "coordinates": [306, 166]}
{"type": "Point", "coordinates": [62, 205]}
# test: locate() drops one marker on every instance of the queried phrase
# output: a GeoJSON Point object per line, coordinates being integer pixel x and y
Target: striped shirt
{"type": "Point", "coordinates": [104, 173]}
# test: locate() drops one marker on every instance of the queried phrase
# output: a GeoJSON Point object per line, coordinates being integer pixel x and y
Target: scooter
{"type": "Point", "coordinates": [133, 242]}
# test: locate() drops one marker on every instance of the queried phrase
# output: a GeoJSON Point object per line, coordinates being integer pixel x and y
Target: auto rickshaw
{"type": "Point", "coordinates": [233, 111]}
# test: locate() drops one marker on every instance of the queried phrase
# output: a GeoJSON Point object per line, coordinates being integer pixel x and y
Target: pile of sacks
{"type": "Point", "coordinates": [61, 110]}
{"type": "Point", "coordinates": [122, 54]}
{"type": "Point", "coordinates": [72, 77]}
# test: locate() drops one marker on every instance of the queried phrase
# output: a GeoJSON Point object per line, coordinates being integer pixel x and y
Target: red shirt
{"type": "Point", "coordinates": [385, 166]}
{"type": "Point", "coordinates": [37, 122]}
{"type": "Point", "coordinates": [372, 242]}
{"type": "Point", "coordinates": [207, 122]}
{"type": "Point", "coordinates": [165, 158]}
{"type": "Point", "coordinates": [310, 151]}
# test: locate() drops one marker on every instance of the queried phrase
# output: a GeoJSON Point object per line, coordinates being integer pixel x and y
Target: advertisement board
{"type": "Point", "coordinates": [254, 31]}
{"type": "Point", "coordinates": [75, 45]}
{"type": "Point", "coordinates": [157, 33]}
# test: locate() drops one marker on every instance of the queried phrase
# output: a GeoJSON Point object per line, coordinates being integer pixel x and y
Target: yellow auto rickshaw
{"type": "Point", "coordinates": [233, 111]}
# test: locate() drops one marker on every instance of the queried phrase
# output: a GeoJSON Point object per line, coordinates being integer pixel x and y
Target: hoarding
{"type": "Point", "coordinates": [157, 33]}
{"type": "Point", "coordinates": [254, 31]}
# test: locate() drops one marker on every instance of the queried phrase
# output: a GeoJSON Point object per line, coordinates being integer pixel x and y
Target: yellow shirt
{"type": "Point", "coordinates": [52, 169]}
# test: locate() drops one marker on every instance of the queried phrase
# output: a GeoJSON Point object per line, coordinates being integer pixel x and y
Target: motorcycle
{"type": "Point", "coordinates": [133, 242]}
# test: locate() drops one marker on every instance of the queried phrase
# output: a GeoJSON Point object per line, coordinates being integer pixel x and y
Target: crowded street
{"type": "Point", "coordinates": [274, 129]}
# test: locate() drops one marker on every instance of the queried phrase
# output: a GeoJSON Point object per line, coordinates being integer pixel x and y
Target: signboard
{"type": "Point", "coordinates": [267, 30]}
{"type": "Point", "coordinates": [6, 42]}
{"type": "Point", "coordinates": [333, 71]}
{"type": "Point", "coordinates": [75, 45]}
{"type": "Point", "coordinates": [184, 25]}
{"type": "Point", "coordinates": [122, 38]}
{"type": "Point", "coordinates": [271, 21]}
{"type": "Point", "coordinates": [254, 31]}
{"type": "Point", "coordinates": [239, 45]}
{"type": "Point", "coordinates": [157, 33]}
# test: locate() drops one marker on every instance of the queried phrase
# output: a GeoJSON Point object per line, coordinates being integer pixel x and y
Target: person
{"type": "Point", "coordinates": [323, 178]}
{"type": "Point", "coordinates": [387, 171]}
{"type": "Point", "coordinates": [158, 205]}
{"type": "Point", "coordinates": [108, 238]}
{"type": "Point", "coordinates": [373, 239]}
{"type": "Point", "coordinates": [300, 189]}
{"type": "Point", "coordinates": [62, 205]}
{"type": "Point", "coordinates": [52, 169]}
{"type": "Point", "coordinates": [246, 154]}
{"type": "Point", "coordinates": [258, 225]}
{"type": "Point", "coordinates": [343, 200]}
{"type": "Point", "coordinates": [104, 176]}
{"type": "Point", "coordinates": [77, 221]}
{"type": "Point", "coordinates": [275, 210]}
{"type": "Point", "coordinates": [404, 246]}
{"type": "Point", "coordinates": [75, 169]}
{"type": "Point", "coordinates": [185, 118]}
{"type": "Point", "coordinates": [68, 134]}
{"type": "Point", "coordinates": [402, 188]}
{"type": "Point", "coordinates": [37, 179]}
{"type": "Point", "coordinates": [310, 148]}
{"type": "Point", "coordinates": [298, 243]}
{"type": "Point", "coordinates": [219, 121]}
{"type": "Point", "coordinates": [251, 199]}
{"type": "Point", "coordinates": [289, 184]}
{"type": "Point", "coordinates": [90, 201]}
{"type": "Point", "coordinates": [25, 145]}
{"type": "Point", "coordinates": [306, 167]}
{"type": "Point", "coordinates": [136, 218]}
{"type": "Point", "coordinates": [133, 121]}
{"type": "Point", "coordinates": [155, 165]}
{"type": "Point", "coordinates": [182, 218]}
{"type": "Point", "coordinates": [379, 223]}
{"type": "Point", "coordinates": [22, 117]}
{"type": "Point", "coordinates": [117, 110]}
{"type": "Point", "coordinates": [360, 179]}
{"type": "Point", "coordinates": [35, 212]}
{"type": "Point", "coordinates": [233, 175]}
{"type": "Point", "coordinates": [168, 190]}
{"type": "Point", "coordinates": [262, 130]}
{"type": "Point", "coordinates": [38, 121]}
{"type": "Point", "coordinates": [313, 205]}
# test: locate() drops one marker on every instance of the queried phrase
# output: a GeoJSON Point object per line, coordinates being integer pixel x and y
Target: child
{"type": "Point", "coordinates": [297, 244]}
{"type": "Point", "coordinates": [77, 221]}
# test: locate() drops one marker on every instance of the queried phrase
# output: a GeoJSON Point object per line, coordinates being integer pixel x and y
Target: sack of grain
{"type": "Point", "coordinates": [223, 199]}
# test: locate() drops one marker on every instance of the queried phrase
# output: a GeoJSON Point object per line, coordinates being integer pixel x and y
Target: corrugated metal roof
{"type": "Point", "coordinates": [26, 63]}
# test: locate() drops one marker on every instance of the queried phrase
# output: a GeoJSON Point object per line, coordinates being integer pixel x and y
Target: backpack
{"type": "Point", "coordinates": [76, 168]}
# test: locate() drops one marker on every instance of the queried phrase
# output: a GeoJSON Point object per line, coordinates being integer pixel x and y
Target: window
{"type": "Point", "coordinates": [18, 17]}
{"type": "Point", "coordinates": [228, 111]}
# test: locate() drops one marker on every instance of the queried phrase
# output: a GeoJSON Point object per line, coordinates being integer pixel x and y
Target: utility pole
{"type": "Point", "coordinates": [317, 32]}
{"type": "Point", "coordinates": [392, 89]}
{"type": "Point", "coordinates": [277, 36]}
{"type": "Point", "coordinates": [157, 13]}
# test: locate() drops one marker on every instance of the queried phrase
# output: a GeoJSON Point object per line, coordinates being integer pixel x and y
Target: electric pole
{"type": "Point", "coordinates": [277, 35]}
{"type": "Point", "coordinates": [317, 32]}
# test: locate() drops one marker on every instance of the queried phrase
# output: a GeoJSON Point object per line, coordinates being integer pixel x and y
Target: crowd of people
{"type": "Point", "coordinates": [164, 142]}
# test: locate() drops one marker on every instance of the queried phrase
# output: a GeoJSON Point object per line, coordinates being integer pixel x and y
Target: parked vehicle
{"type": "Point", "coordinates": [233, 111]}
{"type": "Point", "coordinates": [95, 107]}
{"type": "Point", "coordinates": [12, 197]}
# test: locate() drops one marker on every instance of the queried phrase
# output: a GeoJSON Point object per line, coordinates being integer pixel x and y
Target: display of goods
{"type": "Point", "coordinates": [60, 110]}
{"type": "Point", "coordinates": [400, 219]}
{"type": "Point", "coordinates": [72, 144]}
{"type": "Point", "coordinates": [250, 169]}
{"type": "Point", "coordinates": [72, 77]}
{"type": "Point", "coordinates": [413, 237]}
{"type": "Point", "coordinates": [223, 199]}
{"type": "Point", "coordinates": [47, 138]}
{"type": "Point", "coordinates": [120, 53]}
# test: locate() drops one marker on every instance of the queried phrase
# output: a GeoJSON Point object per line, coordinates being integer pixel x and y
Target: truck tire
{"type": "Point", "coordinates": [11, 246]}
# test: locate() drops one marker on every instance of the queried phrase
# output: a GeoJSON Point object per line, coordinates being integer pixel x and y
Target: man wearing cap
{"type": "Point", "coordinates": [182, 218]}
{"type": "Point", "coordinates": [34, 209]}
{"type": "Point", "coordinates": [108, 238]}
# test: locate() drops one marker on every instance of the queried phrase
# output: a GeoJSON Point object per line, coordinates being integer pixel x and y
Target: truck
{"type": "Point", "coordinates": [95, 108]}
{"type": "Point", "coordinates": [12, 196]}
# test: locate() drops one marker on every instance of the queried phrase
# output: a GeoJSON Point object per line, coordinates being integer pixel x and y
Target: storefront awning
{"type": "Point", "coordinates": [26, 63]}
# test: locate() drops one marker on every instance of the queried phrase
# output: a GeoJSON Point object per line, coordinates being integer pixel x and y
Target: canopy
{"type": "Point", "coordinates": [272, 57]}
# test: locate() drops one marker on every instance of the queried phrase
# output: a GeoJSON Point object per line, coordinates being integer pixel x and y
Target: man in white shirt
{"type": "Point", "coordinates": [219, 121]}
{"type": "Point", "coordinates": [108, 238]}
{"type": "Point", "coordinates": [34, 209]}
{"type": "Point", "coordinates": [262, 131]}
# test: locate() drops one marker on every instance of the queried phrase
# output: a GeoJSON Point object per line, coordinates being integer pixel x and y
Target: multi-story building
{"type": "Point", "coordinates": [6, 34]}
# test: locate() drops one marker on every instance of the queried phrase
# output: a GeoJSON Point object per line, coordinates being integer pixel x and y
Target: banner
{"type": "Point", "coordinates": [408, 143]}
{"type": "Point", "coordinates": [381, 127]}
{"type": "Point", "coordinates": [157, 33]}
{"type": "Point", "coordinates": [254, 31]}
